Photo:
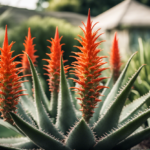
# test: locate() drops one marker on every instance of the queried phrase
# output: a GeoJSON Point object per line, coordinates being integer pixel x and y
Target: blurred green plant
{"type": "Point", "coordinates": [5, 18]}
{"type": "Point", "coordinates": [142, 84]}
{"type": "Point", "coordinates": [81, 6]}
{"type": "Point", "coordinates": [65, 5]}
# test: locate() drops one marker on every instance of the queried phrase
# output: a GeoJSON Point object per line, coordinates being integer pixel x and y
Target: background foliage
{"type": "Point", "coordinates": [142, 84]}
{"type": "Point", "coordinates": [82, 6]}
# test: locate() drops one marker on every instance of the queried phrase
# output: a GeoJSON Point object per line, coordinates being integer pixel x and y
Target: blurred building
{"type": "Point", "coordinates": [19, 15]}
{"type": "Point", "coordinates": [130, 19]}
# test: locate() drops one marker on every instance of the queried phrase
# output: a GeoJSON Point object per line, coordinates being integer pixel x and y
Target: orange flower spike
{"type": "Point", "coordinates": [87, 69]}
{"type": "Point", "coordinates": [53, 68]}
{"type": "Point", "coordinates": [115, 58]}
{"type": "Point", "coordinates": [29, 49]}
{"type": "Point", "coordinates": [9, 80]}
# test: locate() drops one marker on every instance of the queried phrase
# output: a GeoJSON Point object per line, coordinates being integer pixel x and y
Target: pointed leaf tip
{"type": "Point", "coordinates": [115, 37]}
{"type": "Point", "coordinates": [81, 137]}
{"type": "Point", "coordinates": [56, 34]}
{"type": "Point", "coordinates": [29, 33]}
{"type": "Point", "coordinates": [6, 37]}
{"type": "Point", "coordinates": [89, 20]}
{"type": "Point", "coordinates": [89, 12]}
{"type": "Point", "coordinates": [45, 141]}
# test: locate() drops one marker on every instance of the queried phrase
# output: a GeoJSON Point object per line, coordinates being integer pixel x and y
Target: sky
{"type": "Point", "coordinates": [29, 4]}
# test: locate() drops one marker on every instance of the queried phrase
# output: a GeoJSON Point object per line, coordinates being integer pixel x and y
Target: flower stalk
{"type": "Point", "coordinates": [53, 69]}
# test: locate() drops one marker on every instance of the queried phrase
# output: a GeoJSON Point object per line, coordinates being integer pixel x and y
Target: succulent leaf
{"type": "Point", "coordinates": [45, 141]}
{"type": "Point", "coordinates": [22, 142]}
{"type": "Point", "coordinates": [106, 122]}
{"type": "Point", "coordinates": [29, 105]}
{"type": "Point", "coordinates": [13, 140]}
{"type": "Point", "coordinates": [121, 133]}
{"type": "Point", "coordinates": [53, 105]}
{"type": "Point", "coordinates": [28, 87]}
{"type": "Point", "coordinates": [111, 97]}
{"type": "Point", "coordinates": [8, 148]}
{"type": "Point", "coordinates": [25, 145]}
{"type": "Point", "coordinates": [133, 140]}
{"type": "Point", "coordinates": [21, 111]}
{"type": "Point", "coordinates": [7, 130]}
{"type": "Point", "coordinates": [44, 121]}
{"type": "Point", "coordinates": [80, 137]}
{"type": "Point", "coordinates": [36, 81]}
{"type": "Point", "coordinates": [133, 108]}
{"type": "Point", "coordinates": [66, 116]}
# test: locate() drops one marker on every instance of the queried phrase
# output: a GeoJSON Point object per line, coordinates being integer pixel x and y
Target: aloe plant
{"type": "Point", "coordinates": [104, 124]}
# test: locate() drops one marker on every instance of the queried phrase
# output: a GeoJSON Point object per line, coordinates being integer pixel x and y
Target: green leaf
{"type": "Point", "coordinates": [111, 117]}
{"type": "Point", "coordinates": [133, 140]}
{"type": "Point", "coordinates": [44, 121]}
{"type": "Point", "coordinates": [28, 87]}
{"type": "Point", "coordinates": [133, 108]}
{"type": "Point", "coordinates": [7, 130]}
{"type": "Point", "coordinates": [121, 133]}
{"type": "Point", "coordinates": [2, 147]}
{"type": "Point", "coordinates": [54, 104]}
{"type": "Point", "coordinates": [111, 97]}
{"type": "Point", "coordinates": [21, 111]}
{"type": "Point", "coordinates": [38, 89]}
{"type": "Point", "coordinates": [105, 92]}
{"type": "Point", "coordinates": [80, 137]}
{"type": "Point", "coordinates": [66, 116]}
{"type": "Point", "coordinates": [13, 140]}
{"type": "Point", "coordinates": [28, 104]}
{"type": "Point", "coordinates": [25, 145]}
{"type": "Point", "coordinates": [74, 95]}
{"type": "Point", "coordinates": [38, 137]}
{"type": "Point", "coordinates": [142, 58]}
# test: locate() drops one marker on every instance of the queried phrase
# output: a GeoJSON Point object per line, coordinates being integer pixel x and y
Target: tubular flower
{"type": "Point", "coordinates": [87, 69]}
{"type": "Point", "coordinates": [29, 49]}
{"type": "Point", "coordinates": [53, 68]}
{"type": "Point", "coordinates": [115, 58]}
{"type": "Point", "coordinates": [9, 80]}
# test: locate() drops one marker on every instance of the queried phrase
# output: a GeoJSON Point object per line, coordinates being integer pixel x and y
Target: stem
{"type": "Point", "coordinates": [53, 104]}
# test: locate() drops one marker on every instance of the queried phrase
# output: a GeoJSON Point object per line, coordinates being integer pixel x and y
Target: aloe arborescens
{"type": "Point", "coordinates": [115, 127]}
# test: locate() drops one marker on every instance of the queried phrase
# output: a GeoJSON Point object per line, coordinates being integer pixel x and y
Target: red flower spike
{"type": "Point", "coordinates": [115, 58]}
{"type": "Point", "coordinates": [53, 68]}
{"type": "Point", "coordinates": [87, 69]}
{"type": "Point", "coordinates": [9, 80]}
{"type": "Point", "coordinates": [29, 49]}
